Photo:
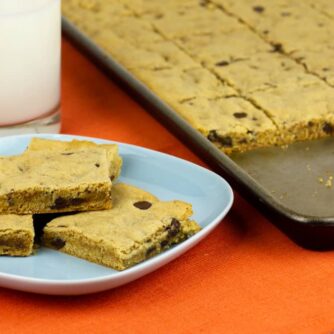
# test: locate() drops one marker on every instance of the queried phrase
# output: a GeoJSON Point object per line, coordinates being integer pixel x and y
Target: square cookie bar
{"type": "Point", "coordinates": [55, 181]}
{"type": "Point", "coordinates": [42, 144]}
{"type": "Point", "coordinates": [138, 227]}
{"type": "Point", "coordinates": [16, 235]}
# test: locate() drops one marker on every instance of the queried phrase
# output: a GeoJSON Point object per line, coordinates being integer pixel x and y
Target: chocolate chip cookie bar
{"type": "Point", "coordinates": [55, 181]}
{"type": "Point", "coordinates": [42, 144]}
{"type": "Point", "coordinates": [138, 227]}
{"type": "Point", "coordinates": [16, 235]}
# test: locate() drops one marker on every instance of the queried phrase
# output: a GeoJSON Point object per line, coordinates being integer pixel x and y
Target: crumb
{"type": "Point", "coordinates": [328, 183]}
{"type": "Point", "coordinates": [308, 167]}
{"type": "Point", "coordinates": [307, 148]}
{"type": "Point", "coordinates": [284, 147]}
{"type": "Point", "coordinates": [285, 194]}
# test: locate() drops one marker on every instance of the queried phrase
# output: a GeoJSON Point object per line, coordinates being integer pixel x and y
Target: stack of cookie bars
{"type": "Point", "coordinates": [116, 225]}
{"type": "Point", "coordinates": [245, 73]}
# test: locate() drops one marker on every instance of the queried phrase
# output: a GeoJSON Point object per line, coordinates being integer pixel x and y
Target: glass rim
{"type": "Point", "coordinates": [27, 9]}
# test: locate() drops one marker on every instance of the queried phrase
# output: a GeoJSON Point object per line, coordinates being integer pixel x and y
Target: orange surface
{"type": "Point", "coordinates": [246, 277]}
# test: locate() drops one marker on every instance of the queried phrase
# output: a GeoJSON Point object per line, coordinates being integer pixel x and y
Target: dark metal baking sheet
{"type": "Point", "coordinates": [292, 185]}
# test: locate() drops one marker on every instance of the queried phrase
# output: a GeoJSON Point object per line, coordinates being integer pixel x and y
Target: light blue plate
{"type": "Point", "coordinates": [167, 177]}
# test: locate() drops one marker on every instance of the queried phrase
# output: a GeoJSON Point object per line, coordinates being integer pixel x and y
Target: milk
{"type": "Point", "coordinates": [29, 59]}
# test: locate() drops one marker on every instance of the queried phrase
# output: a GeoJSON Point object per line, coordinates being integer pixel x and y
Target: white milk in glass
{"type": "Point", "coordinates": [29, 59]}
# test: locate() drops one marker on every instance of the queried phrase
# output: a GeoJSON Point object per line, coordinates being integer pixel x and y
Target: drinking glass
{"type": "Point", "coordinates": [30, 37]}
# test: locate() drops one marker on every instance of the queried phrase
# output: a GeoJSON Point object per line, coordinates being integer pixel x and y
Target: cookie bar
{"type": "Point", "coordinates": [16, 235]}
{"type": "Point", "coordinates": [138, 227]}
{"type": "Point", "coordinates": [53, 181]}
{"type": "Point", "coordinates": [232, 124]}
{"type": "Point", "coordinates": [42, 144]}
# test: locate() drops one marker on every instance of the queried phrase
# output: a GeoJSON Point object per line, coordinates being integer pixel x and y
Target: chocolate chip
{"type": "Point", "coordinates": [10, 199]}
{"type": "Point", "coordinates": [243, 141]}
{"type": "Point", "coordinates": [76, 201]}
{"type": "Point", "coordinates": [325, 69]}
{"type": "Point", "coordinates": [62, 203]}
{"type": "Point", "coordinates": [265, 32]}
{"type": "Point", "coordinates": [174, 228]}
{"type": "Point", "coordinates": [213, 136]}
{"type": "Point", "coordinates": [258, 9]}
{"type": "Point", "coordinates": [112, 177]}
{"type": "Point", "coordinates": [175, 223]}
{"type": "Point", "coordinates": [163, 243]}
{"type": "Point", "coordinates": [19, 245]}
{"type": "Point", "coordinates": [97, 165]}
{"type": "Point", "coordinates": [142, 205]}
{"type": "Point", "coordinates": [240, 114]}
{"type": "Point", "coordinates": [222, 63]}
{"type": "Point", "coordinates": [285, 14]}
{"type": "Point", "coordinates": [68, 153]}
{"type": "Point", "coordinates": [20, 169]}
{"type": "Point", "coordinates": [57, 243]}
{"type": "Point", "coordinates": [150, 250]}
{"type": "Point", "coordinates": [203, 3]}
{"type": "Point", "coordinates": [12, 244]}
{"type": "Point", "coordinates": [310, 124]}
{"type": "Point", "coordinates": [161, 68]}
{"type": "Point", "coordinates": [277, 47]}
{"type": "Point", "coordinates": [225, 141]}
{"type": "Point", "coordinates": [186, 100]}
{"type": "Point", "coordinates": [327, 128]}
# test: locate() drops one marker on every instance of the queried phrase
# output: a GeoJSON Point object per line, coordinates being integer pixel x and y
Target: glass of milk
{"type": "Point", "coordinates": [30, 36]}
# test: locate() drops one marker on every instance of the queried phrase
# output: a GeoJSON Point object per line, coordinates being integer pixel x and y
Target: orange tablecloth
{"type": "Point", "coordinates": [246, 277]}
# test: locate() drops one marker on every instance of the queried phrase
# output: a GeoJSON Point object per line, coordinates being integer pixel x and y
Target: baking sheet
{"type": "Point", "coordinates": [294, 182]}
